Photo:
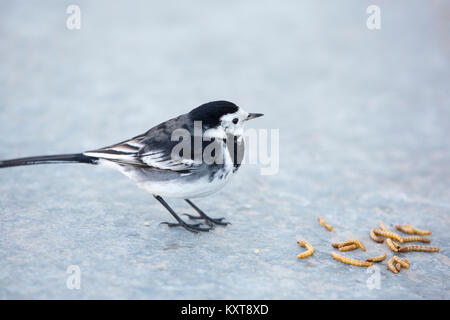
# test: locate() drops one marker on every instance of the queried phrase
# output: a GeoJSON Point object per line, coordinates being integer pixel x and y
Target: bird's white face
{"type": "Point", "coordinates": [233, 123]}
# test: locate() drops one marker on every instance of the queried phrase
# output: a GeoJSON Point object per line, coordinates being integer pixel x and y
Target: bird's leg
{"type": "Point", "coordinates": [202, 216]}
{"type": "Point", "coordinates": [181, 223]}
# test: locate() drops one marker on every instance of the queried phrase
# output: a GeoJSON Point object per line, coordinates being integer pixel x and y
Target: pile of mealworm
{"type": "Point", "coordinates": [393, 240]}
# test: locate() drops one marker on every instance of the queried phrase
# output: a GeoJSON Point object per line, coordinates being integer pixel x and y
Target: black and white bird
{"type": "Point", "coordinates": [149, 159]}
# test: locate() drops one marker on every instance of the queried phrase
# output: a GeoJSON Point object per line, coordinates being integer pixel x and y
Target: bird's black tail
{"type": "Point", "coordinates": [61, 158]}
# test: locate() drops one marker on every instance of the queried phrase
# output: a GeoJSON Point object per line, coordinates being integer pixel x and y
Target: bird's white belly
{"type": "Point", "coordinates": [184, 190]}
{"type": "Point", "coordinates": [180, 187]}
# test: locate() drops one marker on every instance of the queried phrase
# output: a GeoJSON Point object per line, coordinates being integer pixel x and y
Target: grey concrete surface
{"type": "Point", "coordinates": [364, 136]}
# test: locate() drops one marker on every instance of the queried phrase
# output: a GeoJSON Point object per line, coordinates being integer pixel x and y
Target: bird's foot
{"type": "Point", "coordinates": [210, 221]}
{"type": "Point", "coordinates": [190, 227]}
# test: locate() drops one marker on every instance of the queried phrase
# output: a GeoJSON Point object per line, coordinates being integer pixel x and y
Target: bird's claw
{"type": "Point", "coordinates": [208, 220]}
{"type": "Point", "coordinates": [190, 227]}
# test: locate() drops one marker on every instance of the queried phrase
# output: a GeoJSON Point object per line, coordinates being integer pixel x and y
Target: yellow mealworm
{"type": "Point", "coordinates": [416, 239]}
{"type": "Point", "coordinates": [375, 237]}
{"type": "Point", "coordinates": [421, 232]}
{"type": "Point", "coordinates": [324, 224]}
{"type": "Point", "coordinates": [308, 252]}
{"type": "Point", "coordinates": [394, 246]}
{"type": "Point", "coordinates": [343, 243]}
{"type": "Point", "coordinates": [388, 234]}
{"type": "Point", "coordinates": [349, 242]}
{"type": "Point", "coordinates": [406, 263]}
{"type": "Point", "coordinates": [398, 266]}
{"type": "Point", "coordinates": [353, 262]}
{"type": "Point", "coordinates": [377, 259]}
{"type": "Point", "coordinates": [383, 226]}
{"type": "Point", "coordinates": [391, 266]}
{"type": "Point", "coordinates": [418, 248]}
{"type": "Point", "coordinates": [349, 247]}
{"type": "Point", "coordinates": [402, 262]}
{"type": "Point", "coordinates": [409, 229]}
{"type": "Point", "coordinates": [359, 243]}
{"type": "Point", "coordinates": [405, 229]}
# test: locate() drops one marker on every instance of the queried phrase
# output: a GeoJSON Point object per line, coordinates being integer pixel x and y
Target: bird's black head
{"type": "Point", "coordinates": [211, 112]}
{"type": "Point", "coordinates": [222, 116]}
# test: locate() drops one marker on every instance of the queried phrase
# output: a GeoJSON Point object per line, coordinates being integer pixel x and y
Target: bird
{"type": "Point", "coordinates": [190, 156]}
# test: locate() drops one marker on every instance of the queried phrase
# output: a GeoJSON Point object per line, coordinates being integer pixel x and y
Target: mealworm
{"type": "Point", "coordinates": [418, 248]}
{"type": "Point", "coordinates": [324, 224]}
{"type": "Point", "coordinates": [405, 229]}
{"type": "Point", "coordinates": [409, 229]}
{"type": "Point", "coordinates": [377, 259]}
{"type": "Point", "coordinates": [308, 252]}
{"type": "Point", "coordinates": [349, 247]}
{"type": "Point", "coordinates": [394, 246]}
{"type": "Point", "coordinates": [375, 237]}
{"type": "Point", "coordinates": [343, 243]}
{"type": "Point", "coordinates": [420, 232]}
{"type": "Point", "coordinates": [398, 266]}
{"type": "Point", "coordinates": [391, 266]}
{"type": "Point", "coordinates": [353, 262]}
{"type": "Point", "coordinates": [349, 242]}
{"type": "Point", "coordinates": [404, 263]}
{"type": "Point", "coordinates": [383, 226]}
{"type": "Point", "coordinates": [360, 244]}
{"type": "Point", "coordinates": [388, 234]}
{"type": "Point", "coordinates": [416, 239]}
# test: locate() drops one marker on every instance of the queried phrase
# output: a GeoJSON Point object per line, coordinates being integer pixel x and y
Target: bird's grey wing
{"type": "Point", "coordinates": [123, 152]}
{"type": "Point", "coordinates": [152, 149]}
{"type": "Point", "coordinates": [161, 142]}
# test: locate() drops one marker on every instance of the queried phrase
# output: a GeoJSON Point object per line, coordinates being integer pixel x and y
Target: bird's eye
{"type": "Point", "coordinates": [235, 120]}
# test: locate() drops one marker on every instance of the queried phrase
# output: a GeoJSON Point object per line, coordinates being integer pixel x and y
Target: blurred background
{"type": "Point", "coordinates": [363, 117]}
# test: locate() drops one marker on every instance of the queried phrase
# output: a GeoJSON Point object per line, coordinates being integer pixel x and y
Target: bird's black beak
{"type": "Point", "coordinates": [254, 115]}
